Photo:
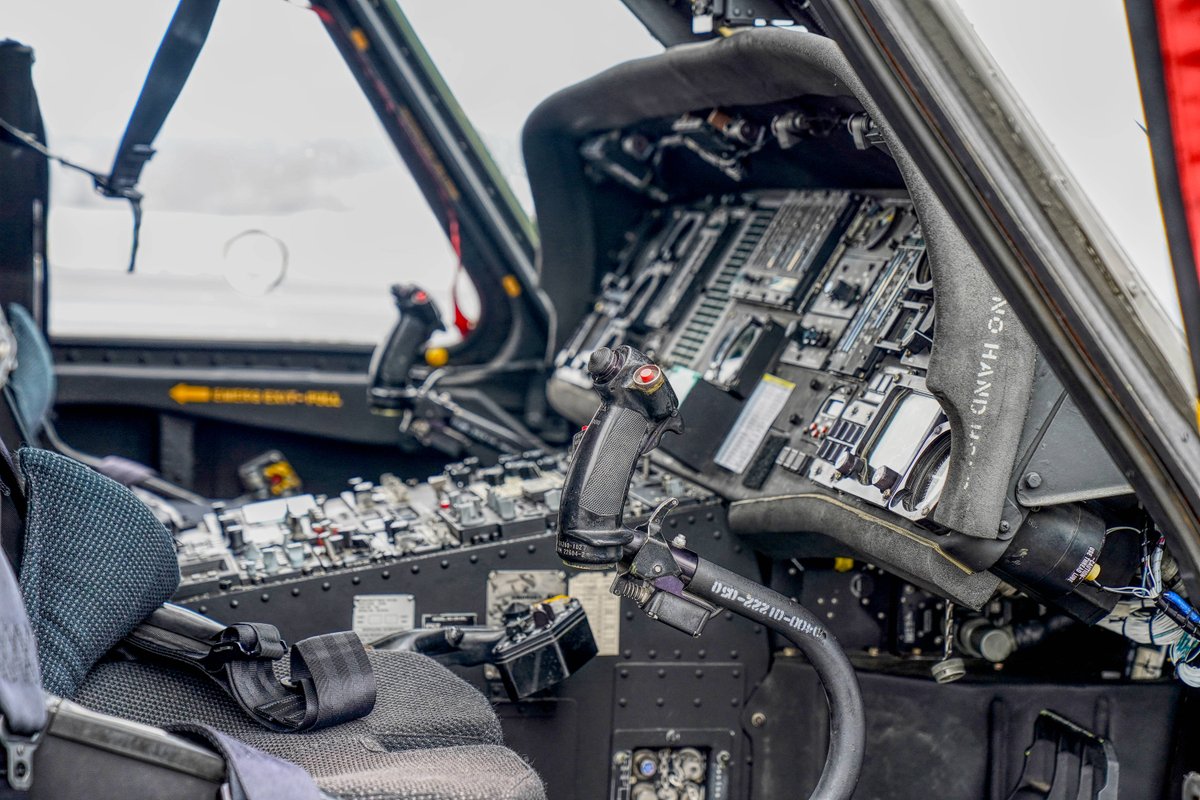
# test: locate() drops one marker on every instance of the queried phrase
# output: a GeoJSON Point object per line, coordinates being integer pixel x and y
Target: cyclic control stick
{"type": "Point", "coordinates": [388, 382]}
{"type": "Point", "coordinates": [673, 584]}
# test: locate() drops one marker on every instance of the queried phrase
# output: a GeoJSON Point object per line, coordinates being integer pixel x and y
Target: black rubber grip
{"type": "Point", "coordinates": [618, 450]}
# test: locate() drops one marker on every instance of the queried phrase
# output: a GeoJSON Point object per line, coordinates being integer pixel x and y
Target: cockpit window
{"type": "Point", "coordinates": [531, 49]}
{"type": "Point", "coordinates": [275, 208]}
{"type": "Point", "coordinates": [1085, 98]}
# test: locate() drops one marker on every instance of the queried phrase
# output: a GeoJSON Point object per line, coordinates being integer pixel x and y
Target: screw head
{"type": "Point", "coordinates": [758, 719]}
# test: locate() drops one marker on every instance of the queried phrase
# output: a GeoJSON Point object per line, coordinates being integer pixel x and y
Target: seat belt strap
{"type": "Point", "coordinates": [331, 678]}
{"type": "Point", "coordinates": [253, 774]}
{"type": "Point", "coordinates": [168, 73]}
{"type": "Point", "coordinates": [22, 702]}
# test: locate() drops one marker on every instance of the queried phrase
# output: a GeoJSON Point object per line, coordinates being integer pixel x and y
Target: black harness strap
{"type": "Point", "coordinates": [169, 71]}
{"type": "Point", "coordinates": [12, 506]}
{"type": "Point", "coordinates": [331, 679]}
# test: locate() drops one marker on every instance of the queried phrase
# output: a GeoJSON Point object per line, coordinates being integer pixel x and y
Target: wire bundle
{"type": "Point", "coordinates": [1155, 616]}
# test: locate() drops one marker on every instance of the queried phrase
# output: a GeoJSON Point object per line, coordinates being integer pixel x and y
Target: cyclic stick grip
{"type": "Point", "coordinates": [672, 584]}
{"type": "Point", "coordinates": [637, 405]}
{"type": "Point", "coordinates": [388, 376]}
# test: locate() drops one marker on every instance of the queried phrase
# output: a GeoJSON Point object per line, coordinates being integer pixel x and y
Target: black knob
{"type": "Point", "coordinates": [236, 536]}
{"type": "Point", "coordinates": [843, 292]}
{"type": "Point", "coordinates": [459, 474]}
{"type": "Point", "coordinates": [884, 478]}
{"type": "Point", "coordinates": [849, 465]}
{"type": "Point", "coordinates": [812, 337]}
{"type": "Point", "coordinates": [603, 364]}
{"type": "Point", "coordinates": [492, 476]}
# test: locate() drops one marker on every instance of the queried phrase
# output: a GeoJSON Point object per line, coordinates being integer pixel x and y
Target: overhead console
{"type": "Point", "coordinates": [844, 364]}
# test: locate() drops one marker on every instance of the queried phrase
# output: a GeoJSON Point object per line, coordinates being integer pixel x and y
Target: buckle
{"type": "Point", "coordinates": [19, 752]}
{"type": "Point", "coordinates": [233, 646]}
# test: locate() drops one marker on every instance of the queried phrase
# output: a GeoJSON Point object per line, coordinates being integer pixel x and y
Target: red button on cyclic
{"type": "Point", "coordinates": [647, 374]}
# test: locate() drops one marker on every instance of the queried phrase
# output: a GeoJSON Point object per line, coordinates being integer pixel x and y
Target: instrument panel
{"type": "Point", "coordinates": [796, 328]}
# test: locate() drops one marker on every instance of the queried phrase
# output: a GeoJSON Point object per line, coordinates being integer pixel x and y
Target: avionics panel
{"type": "Point", "coordinates": [796, 328]}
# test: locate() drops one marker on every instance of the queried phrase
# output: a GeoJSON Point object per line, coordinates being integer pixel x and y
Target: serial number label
{"type": "Point", "coordinates": [769, 611]}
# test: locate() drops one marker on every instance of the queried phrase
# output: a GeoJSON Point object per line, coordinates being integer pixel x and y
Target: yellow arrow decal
{"type": "Point", "coordinates": [183, 393]}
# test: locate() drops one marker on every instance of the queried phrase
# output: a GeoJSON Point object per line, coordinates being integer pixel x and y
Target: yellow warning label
{"type": "Point", "coordinates": [775, 380]}
{"type": "Point", "coordinates": [281, 478]}
{"type": "Point", "coordinates": [184, 393]}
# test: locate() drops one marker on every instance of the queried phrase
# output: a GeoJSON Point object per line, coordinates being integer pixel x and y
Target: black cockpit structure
{"type": "Point", "coordinates": [757, 475]}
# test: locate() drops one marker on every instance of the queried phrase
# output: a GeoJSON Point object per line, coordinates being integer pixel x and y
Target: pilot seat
{"type": "Point", "coordinates": [94, 563]}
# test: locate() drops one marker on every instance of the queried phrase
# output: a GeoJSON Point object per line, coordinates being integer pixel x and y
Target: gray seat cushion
{"type": "Point", "coordinates": [431, 734]}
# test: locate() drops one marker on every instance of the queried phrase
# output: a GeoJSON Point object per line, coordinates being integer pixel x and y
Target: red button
{"type": "Point", "coordinates": [647, 374]}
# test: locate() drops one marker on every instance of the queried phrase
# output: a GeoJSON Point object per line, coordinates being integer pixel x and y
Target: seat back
{"type": "Point", "coordinates": [95, 563]}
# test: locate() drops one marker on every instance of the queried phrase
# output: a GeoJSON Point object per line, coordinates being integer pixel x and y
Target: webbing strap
{"type": "Point", "coordinates": [253, 774]}
{"type": "Point", "coordinates": [331, 679]}
{"type": "Point", "coordinates": [169, 71]}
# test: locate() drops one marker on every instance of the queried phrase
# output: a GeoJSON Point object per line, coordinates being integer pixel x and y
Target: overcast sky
{"type": "Point", "coordinates": [271, 123]}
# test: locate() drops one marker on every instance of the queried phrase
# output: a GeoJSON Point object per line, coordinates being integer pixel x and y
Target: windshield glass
{"type": "Point", "coordinates": [276, 208]}
{"type": "Point", "coordinates": [1086, 100]}
{"type": "Point", "coordinates": [501, 59]}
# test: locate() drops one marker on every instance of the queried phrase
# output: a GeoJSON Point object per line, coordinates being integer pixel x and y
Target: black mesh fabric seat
{"type": "Point", "coordinates": [96, 563]}
{"type": "Point", "coordinates": [431, 734]}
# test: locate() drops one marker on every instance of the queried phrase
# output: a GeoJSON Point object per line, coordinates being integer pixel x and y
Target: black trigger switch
{"type": "Point", "coordinates": [603, 364]}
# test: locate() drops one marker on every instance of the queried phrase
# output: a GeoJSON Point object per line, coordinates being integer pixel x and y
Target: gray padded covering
{"type": "Point", "coordinates": [96, 562]}
{"type": "Point", "coordinates": [33, 382]}
{"type": "Point", "coordinates": [982, 363]}
{"type": "Point", "coordinates": [431, 734]}
{"type": "Point", "coordinates": [869, 533]}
